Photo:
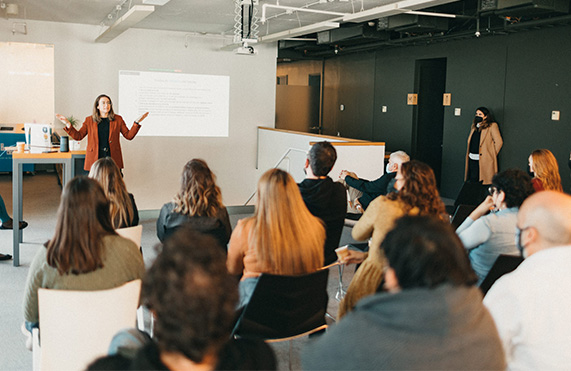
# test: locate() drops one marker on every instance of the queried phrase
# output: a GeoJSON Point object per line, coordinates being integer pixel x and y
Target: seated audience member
{"type": "Point", "coordinates": [531, 304]}
{"type": "Point", "coordinates": [198, 204]}
{"type": "Point", "coordinates": [323, 197]}
{"type": "Point", "coordinates": [85, 253]}
{"type": "Point", "coordinates": [124, 211]}
{"type": "Point", "coordinates": [193, 299]}
{"type": "Point", "coordinates": [545, 171]}
{"type": "Point", "coordinates": [7, 223]}
{"type": "Point", "coordinates": [431, 318]}
{"type": "Point", "coordinates": [417, 194]}
{"type": "Point", "coordinates": [282, 237]}
{"type": "Point", "coordinates": [488, 236]}
{"type": "Point", "coordinates": [363, 191]}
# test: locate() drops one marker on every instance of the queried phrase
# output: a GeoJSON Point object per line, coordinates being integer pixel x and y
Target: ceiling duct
{"type": "Point", "coordinates": [413, 23]}
{"type": "Point", "coordinates": [363, 31]}
{"type": "Point", "coordinates": [521, 8]}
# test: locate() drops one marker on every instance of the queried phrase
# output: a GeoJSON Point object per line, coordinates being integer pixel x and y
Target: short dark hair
{"type": "Point", "coordinates": [192, 294]}
{"type": "Point", "coordinates": [322, 157]}
{"type": "Point", "coordinates": [516, 185]}
{"type": "Point", "coordinates": [424, 251]}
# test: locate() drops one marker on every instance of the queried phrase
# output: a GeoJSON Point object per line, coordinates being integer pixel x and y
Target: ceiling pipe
{"type": "Point", "coordinates": [566, 19]}
{"type": "Point", "coordinates": [294, 9]}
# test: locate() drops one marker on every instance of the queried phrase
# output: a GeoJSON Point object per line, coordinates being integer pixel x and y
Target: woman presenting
{"type": "Point", "coordinates": [102, 130]}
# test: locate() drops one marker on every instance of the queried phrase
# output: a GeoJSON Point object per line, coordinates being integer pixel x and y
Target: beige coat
{"type": "Point", "coordinates": [376, 222]}
{"type": "Point", "coordinates": [490, 144]}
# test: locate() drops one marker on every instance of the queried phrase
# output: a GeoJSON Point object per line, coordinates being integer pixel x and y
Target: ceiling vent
{"type": "Point", "coordinates": [413, 23]}
{"type": "Point", "coordinates": [520, 8]}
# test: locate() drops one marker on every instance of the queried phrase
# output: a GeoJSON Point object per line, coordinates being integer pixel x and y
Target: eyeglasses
{"type": "Point", "coordinates": [492, 190]}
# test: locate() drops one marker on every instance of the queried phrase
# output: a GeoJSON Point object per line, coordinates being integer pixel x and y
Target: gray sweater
{"type": "Point", "coordinates": [122, 263]}
{"type": "Point", "coordinates": [432, 329]}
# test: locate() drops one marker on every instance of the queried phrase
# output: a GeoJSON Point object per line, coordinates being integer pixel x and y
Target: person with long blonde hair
{"type": "Point", "coordinates": [282, 237]}
{"type": "Point", "coordinates": [417, 194]}
{"type": "Point", "coordinates": [545, 171]}
{"type": "Point", "coordinates": [123, 209]}
{"type": "Point", "coordinates": [198, 203]}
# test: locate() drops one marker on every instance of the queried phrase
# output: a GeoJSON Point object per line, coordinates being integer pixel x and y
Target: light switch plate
{"type": "Point", "coordinates": [457, 111]}
{"type": "Point", "coordinates": [555, 115]}
{"type": "Point", "coordinates": [384, 109]}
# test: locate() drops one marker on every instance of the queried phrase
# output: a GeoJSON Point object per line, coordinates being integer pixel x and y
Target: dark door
{"type": "Point", "coordinates": [314, 82]}
{"type": "Point", "coordinates": [428, 117]}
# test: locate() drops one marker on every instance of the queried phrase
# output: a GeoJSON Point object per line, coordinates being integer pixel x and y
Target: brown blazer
{"type": "Point", "coordinates": [89, 128]}
{"type": "Point", "coordinates": [490, 144]}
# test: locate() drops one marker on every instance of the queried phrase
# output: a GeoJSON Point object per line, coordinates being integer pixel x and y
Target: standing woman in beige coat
{"type": "Point", "coordinates": [484, 144]}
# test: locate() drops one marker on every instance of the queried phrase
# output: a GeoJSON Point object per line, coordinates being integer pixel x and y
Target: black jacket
{"type": "Point", "coordinates": [239, 354]}
{"type": "Point", "coordinates": [218, 227]}
{"type": "Point", "coordinates": [372, 189]}
{"type": "Point", "coordinates": [326, 200]}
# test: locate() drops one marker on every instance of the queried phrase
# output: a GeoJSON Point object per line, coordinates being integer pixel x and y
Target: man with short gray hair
{"type": "Point", "coordinates": [531, 305]}
{"type": "Point", "coordinates": [364, 191]}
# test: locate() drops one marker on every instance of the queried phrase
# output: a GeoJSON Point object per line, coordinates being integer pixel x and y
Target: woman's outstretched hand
{"type": "Point", "coordinates": [63, 119]}
{"type": "Point", "coordinates": [144, 116]}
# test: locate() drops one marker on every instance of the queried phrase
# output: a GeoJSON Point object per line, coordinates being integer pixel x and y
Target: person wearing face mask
{"type": "Point", "coordinates": [530, 306]}
{"type": "Point", "coordinates": [363, 191]}
{"type": "Point", "coordinates": [484, 144]}
{"type": "Point", "coordinates": [487, 236]}
{"type": "Point", "coordinates": [102, 129]}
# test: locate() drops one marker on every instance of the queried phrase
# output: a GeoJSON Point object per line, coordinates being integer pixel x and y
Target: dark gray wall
{"type": "Point", "coordinates": [521, 77]}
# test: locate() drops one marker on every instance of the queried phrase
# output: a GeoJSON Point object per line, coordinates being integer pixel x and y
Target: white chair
{"type": "Point", "coordinates": [77, 326]}
{"type": "Point", "coordinates": [134, 234]}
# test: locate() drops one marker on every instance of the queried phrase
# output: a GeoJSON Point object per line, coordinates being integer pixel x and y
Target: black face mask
{"type": "Point", "coordinates": [478, 119]}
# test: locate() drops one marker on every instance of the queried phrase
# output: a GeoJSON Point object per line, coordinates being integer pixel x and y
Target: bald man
{"type": "Point", "coordinates": [532, 305]}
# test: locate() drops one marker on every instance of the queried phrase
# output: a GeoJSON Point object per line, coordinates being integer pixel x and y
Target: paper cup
{"type": "Point", "coordinates": [342, 252]}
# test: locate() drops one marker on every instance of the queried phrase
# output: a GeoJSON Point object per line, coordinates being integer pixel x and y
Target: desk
{"type": "Point", "coordinates": [67, 159]}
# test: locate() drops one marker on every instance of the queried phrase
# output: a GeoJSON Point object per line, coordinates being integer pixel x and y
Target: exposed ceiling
{"type": "Point", "coordinates": [341, 34]}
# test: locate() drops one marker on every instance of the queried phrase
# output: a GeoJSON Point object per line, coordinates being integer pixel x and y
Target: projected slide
{"type": "Point", "coordinates": [179, 104]}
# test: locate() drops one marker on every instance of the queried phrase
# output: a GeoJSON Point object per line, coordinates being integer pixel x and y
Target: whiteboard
{"type": "Point", "coordinates": [178, 104]}
{"type": "Point", "coordinates": [26, 83]}
{"type": "Point", "coordinates": [364, 158]}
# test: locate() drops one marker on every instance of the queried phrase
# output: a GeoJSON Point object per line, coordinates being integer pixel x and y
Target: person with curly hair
{"type": "Point", "coordinates": [198, 204]}
{"type": "Point", "coordinates": [545, 171]}
{"type": "Point", "coordinates": [417, 194]}
{"type": "Point", "coordinates": [123, 208]}
{"type": "Point", "coordinates": [487, 236]}
{"type": "Point", "coordinates": [282, 237]}
{"type": "Point", "coordinates": [193, 300]}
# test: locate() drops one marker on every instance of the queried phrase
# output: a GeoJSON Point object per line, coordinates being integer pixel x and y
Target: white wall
{"type": "Point", "coordinates": [84, 69]}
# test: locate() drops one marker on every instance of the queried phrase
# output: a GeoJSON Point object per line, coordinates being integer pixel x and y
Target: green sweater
{"type": "Point", "coordinates": [122, 262]}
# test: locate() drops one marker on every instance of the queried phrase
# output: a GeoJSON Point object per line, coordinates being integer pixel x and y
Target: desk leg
{"type": "Point", "coordinates": [67, 171]}
{"type": "Point", "coordinates": [17, 207]}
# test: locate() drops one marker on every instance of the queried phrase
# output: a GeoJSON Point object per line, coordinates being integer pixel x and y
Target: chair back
{"type": "Point", "coordinates": [284, 306]}
{"type": "Point", "coordinates": [461, 214]}
{"type": "Point", "coordinates": [504, 264]}
{"type": "Point", "coordinates": [77, 326]}
{"type": "Point", "coordinates": [134, 234]}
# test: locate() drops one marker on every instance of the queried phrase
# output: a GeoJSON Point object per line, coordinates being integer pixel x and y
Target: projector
{"type": "Point", "coordinates": [246, 50]}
